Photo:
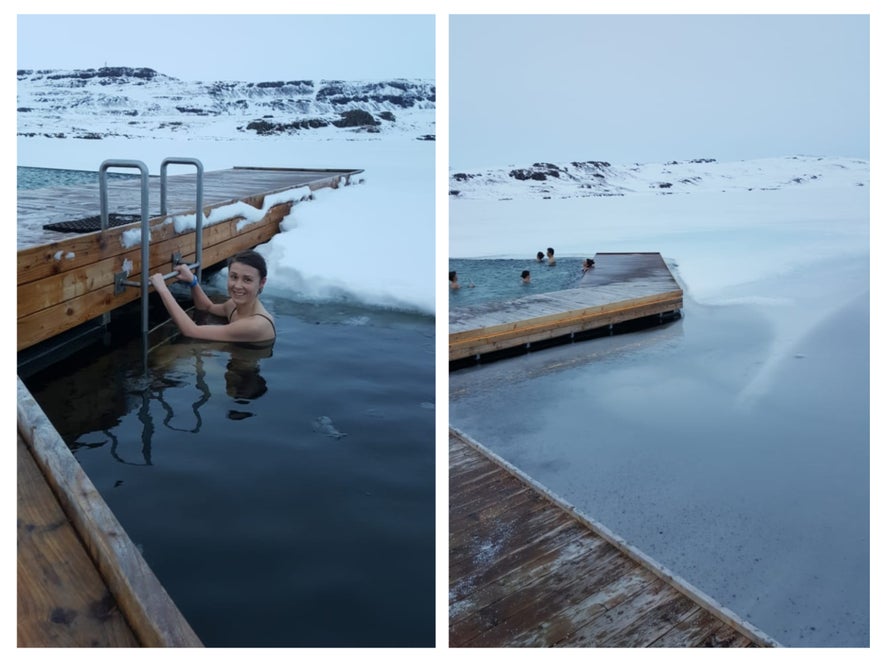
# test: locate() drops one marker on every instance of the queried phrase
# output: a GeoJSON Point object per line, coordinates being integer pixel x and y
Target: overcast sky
{"type": "Point", "coordinates": [643, 88]}
{"type": "Point", "coordinates": [234, 47]}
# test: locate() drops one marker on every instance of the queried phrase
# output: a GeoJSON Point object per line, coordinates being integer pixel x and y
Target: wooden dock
{"type": "Point", "coordinates": [527, 570]}
{"type": "Point", "coordinates": [621, 288]}
{"type": "Point", "coordinates": [65, 280]}
{"type": "Point", "coordinates": [81, 580]}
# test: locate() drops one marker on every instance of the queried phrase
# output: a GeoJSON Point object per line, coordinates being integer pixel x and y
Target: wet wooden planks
{"type": "Point", "coordinates": [62, 599]}
{"type": "Point", "coordinates": [81, 580]}
{"type": "Point", "coordinates": [525, 571]}
{"type": "Point", "coordinates": [621, 287]}
{"type": "Point", "coordinates": [37, 207]}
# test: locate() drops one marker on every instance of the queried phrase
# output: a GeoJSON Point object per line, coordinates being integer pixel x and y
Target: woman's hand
{"type": "Point", "coordinates": [158, 282]}
{"type": "Point", "coordinates": [184, 273]}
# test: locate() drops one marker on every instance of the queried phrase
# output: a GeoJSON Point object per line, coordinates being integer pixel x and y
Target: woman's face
{"type": "Point", "coordinates": [243, 282]}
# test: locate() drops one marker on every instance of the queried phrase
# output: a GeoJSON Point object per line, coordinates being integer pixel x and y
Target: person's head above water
{"type": "Point", "coordinates": [540, 256]}
{"type": "Point", "coordinates": [525, 276]}
{"type": "Point", "coordinates": [247, 272]}
{"type": "Point", "coordinates": [251, 258]}
{"type": "Point", "coordinates": [452, 275]}
{"type": "Point", "coordinates": [550, 252]}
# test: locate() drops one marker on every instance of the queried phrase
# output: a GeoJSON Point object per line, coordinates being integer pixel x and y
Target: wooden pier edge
{"type": "Point", "coordinates": [484, 340]}
{"type": "Point", "coordinates": [147, 607]}
{"type": "Point", "coordinates": [678, 583]}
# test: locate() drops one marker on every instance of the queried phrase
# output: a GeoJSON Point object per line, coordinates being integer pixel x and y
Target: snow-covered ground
{"type": "Point", "coordinates": [732, 445]}
{"type": "Point", "coordinates": [373, 243]}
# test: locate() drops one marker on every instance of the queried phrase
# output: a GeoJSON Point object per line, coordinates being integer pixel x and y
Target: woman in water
{"type": "Point", "coordinates": [247, 319]}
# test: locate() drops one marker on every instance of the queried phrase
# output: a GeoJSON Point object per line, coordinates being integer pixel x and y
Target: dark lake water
{"type": "Point", "coordinates": [283, 498]}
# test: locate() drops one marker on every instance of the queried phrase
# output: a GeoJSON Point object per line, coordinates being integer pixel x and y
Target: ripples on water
{"type": "Point", "coordinates": [283, 498]}
{"type": "Point", "coordinates": [487, 280]}
{"type": "Point", "coordinates": [33, 178]}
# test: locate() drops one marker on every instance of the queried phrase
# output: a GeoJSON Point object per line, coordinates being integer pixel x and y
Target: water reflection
{"type": "Point", "coordinates": [243, 379]}
{"type": "Point", "coordinates": [127, 405]}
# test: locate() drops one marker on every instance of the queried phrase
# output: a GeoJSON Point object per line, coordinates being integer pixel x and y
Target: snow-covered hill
{"type": "Point", "coordinates": [581, 179]}
{"type": "Point", "coordinates": [132, 102]}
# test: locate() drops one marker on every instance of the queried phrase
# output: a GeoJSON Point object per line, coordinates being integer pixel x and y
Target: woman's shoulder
{"type": "Point", "coordinates": [260, 310]}
{"type": "Point", "coordinates": [229, 307]}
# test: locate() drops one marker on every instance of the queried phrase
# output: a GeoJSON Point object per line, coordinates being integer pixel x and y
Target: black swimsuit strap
{"type": "Point", "coordinates": [266, 317]}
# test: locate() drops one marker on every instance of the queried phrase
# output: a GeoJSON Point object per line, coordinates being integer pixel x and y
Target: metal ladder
{"type": "Point", "coordinates": [120, 282]}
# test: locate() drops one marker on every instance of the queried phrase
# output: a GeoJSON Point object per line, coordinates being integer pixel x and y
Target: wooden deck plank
{"type": "Point", "coordinates": [641, 620]}
{"type": "Point", "coordinates": [483, 585]}
{"type": "Point", "coordinates": [485, 553]}
{"type": "Point", "coordinates": [521, 577]}
{"type": "Point", "coordinates": [147, 608]}
{"type": "Point", "coordinates": [62, 599]}
{"type": "Point", "coordinates": [699, 625]}
{"type": "Point", "coordinates": [520, 616]}
{"type": "Point", "coordinates": [516, 507]}
{"type": "Point", "coordinates": [37, 207]}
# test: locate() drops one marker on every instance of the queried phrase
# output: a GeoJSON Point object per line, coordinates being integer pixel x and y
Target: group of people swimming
{"type": "Point", "coordinates": [548, 257]}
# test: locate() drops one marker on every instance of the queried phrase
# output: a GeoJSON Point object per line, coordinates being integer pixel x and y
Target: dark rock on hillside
{"type": "Point", "coordinates": [265, 128]}
{"type": "Point", "coordinates": [106, 72]}
{"type": "Point", "coordinates": [355, 118]}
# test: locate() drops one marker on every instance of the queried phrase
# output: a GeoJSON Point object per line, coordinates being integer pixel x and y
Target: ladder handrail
{"type": "Point", "coordinates": [119, 279]}
{"type": "Point", "coordinates": [163, 193]}
{"type": "Point", "coordinates": [145, 221]}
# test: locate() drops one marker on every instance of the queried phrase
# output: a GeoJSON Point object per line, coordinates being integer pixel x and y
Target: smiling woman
{"type": "Point", "coordinates": [247, 319]}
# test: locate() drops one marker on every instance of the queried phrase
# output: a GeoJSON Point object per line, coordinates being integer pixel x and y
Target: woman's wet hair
{"type": "Point", "coordinates": [252, 259]}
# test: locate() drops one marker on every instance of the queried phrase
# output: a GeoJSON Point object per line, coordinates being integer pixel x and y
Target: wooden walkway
{"type": "Point", "coordinates": [528, 571]}
{"type": "Point", "coordinates": [81, 580]}
{"type": "Point", "coordinates": [620, 288]}
{"type": "Point", "coordinates": [66, 280]}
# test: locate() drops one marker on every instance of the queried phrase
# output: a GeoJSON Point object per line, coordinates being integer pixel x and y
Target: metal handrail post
{"type": "Point", "coordinates": [163, 192]}
{"type": "Point", "coordinates": [145, 221]}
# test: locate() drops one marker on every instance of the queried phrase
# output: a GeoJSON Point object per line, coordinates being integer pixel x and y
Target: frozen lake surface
{"type": "Point", "coordinates": [732, 445]}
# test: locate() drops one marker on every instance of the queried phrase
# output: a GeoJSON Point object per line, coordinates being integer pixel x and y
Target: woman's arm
{"type": "Point", "coordinates": [245, 330]}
